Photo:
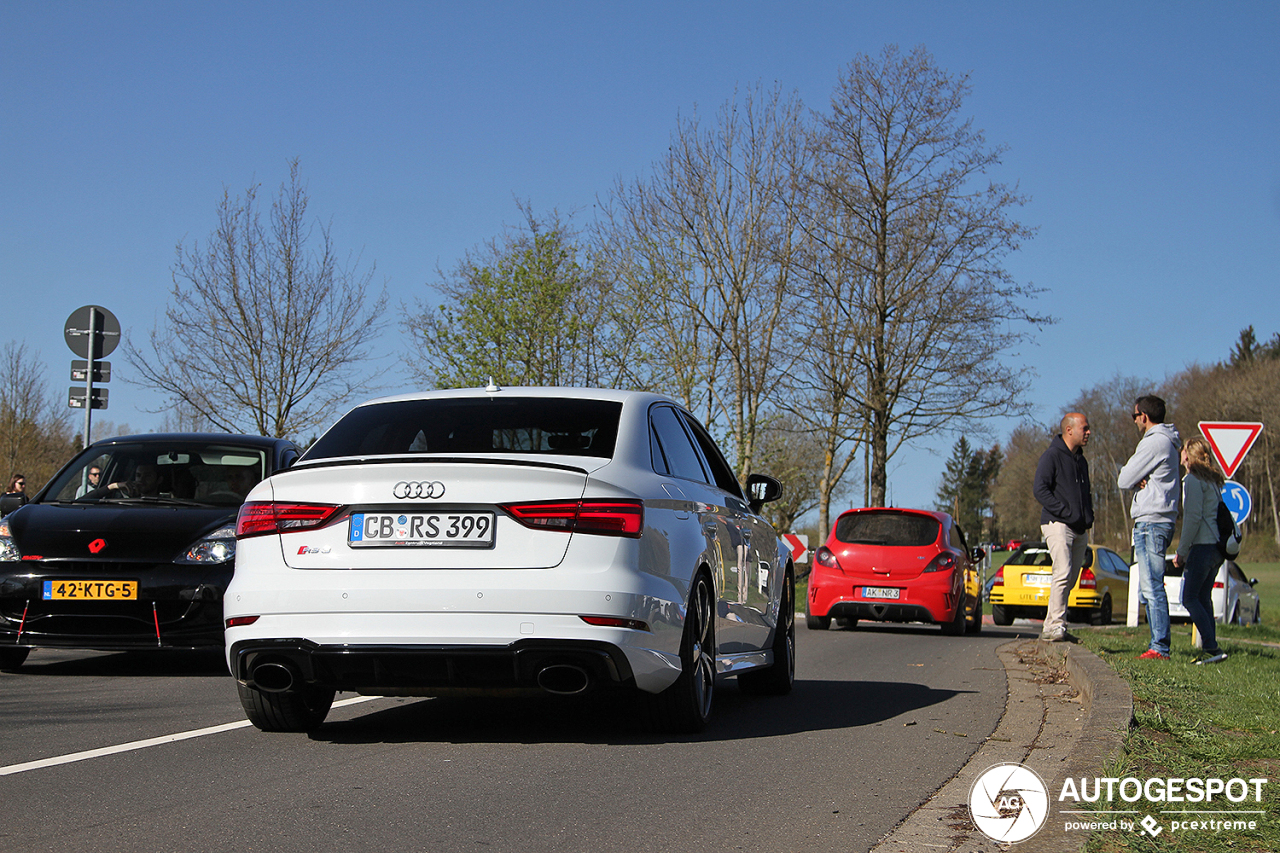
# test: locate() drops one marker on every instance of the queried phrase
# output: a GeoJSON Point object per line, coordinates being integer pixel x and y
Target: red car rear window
{"type": "Point", "coordinates": [902, 529]}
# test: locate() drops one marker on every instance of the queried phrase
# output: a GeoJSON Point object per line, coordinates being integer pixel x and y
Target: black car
{"type": "Point", "coordinates": [131, 545]}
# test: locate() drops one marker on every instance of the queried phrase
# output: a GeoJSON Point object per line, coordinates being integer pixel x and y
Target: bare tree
{"type": "Point", "coordinates": [35, 432]}
{"type": "Point", "coordinates": [904, 214]}
{"type": "Point", "coordinates": [704, 247]}
{"type": "Point", "coordinates": [790, 451]}
{"type": "Point", "coordinates": [1011, 493]}
{"type": "Point", "coordinates": [265, 332]}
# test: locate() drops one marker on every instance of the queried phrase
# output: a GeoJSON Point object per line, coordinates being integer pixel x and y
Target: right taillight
{"type": "Point", "coordinates": [1088, 580]}
{"type": "Point", "coordinates": [944, 562]}
{"type": "Point", "coordinates": [262, 518]}
{"type": "Point", "coordinates": [617, 517]}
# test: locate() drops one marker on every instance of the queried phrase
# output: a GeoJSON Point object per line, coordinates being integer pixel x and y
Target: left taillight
{"type": "Point", "coordinates": [261, 518]}
{"type": "Point", "coordinates": [617, 517]}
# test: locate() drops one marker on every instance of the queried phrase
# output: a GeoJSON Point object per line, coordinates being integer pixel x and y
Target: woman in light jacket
{"type": "Point", "coordinates": [1198, 545]}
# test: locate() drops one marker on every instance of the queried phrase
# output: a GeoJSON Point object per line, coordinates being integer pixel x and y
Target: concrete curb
{"type": "Point", "coordinates": [1059, 728]}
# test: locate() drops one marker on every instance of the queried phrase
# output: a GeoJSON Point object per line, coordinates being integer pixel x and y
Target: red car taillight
{"type": "Point", "coordinates": [826, 558]}
{"type": "Point", "coordinates": [260, 518]}
{"type": "Point", "coordinates": [1088, 580]}
{"type": "Point", "coordinates": [944, 562]}
{"type": "Point", "coordinates": [1219, 585]}
{"type": "Point", "coordinates": [620, 517]}
{"type": "Point", "coordinates": [999, 578]}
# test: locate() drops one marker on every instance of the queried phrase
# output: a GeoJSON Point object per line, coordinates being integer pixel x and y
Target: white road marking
{"type": "Point", "coordinates": [143, 744]}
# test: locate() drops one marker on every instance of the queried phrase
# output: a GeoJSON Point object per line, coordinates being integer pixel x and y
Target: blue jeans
{"type": "Point", "coordinates": [1197, 591]}
{"type": "Point", "coordinates": [1150, 542]}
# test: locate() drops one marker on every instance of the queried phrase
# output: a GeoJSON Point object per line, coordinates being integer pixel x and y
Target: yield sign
{"type": "Point", "coordinates": [799, 545]}
{"type": "Point", "coordinates": [1230, 441]}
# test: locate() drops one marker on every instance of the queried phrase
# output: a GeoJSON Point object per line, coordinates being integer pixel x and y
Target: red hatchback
{"type": "Point", "coordinates": [895, 565]}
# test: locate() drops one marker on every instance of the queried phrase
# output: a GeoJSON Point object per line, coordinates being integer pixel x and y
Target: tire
{"type": "Point", "coordinates": [815, 623]}
{"type": "Point", "coordinates": [1001, 616]}
{"type": "Point", "coordinates": [685, 707]}
{"type": "Point", "coordinates": [291, 711]}
{"type": "Point", "coordinates": [973, 624]}
{"type": "Point", "coordinates": [956, 626]}
{"type": "Point", "coordinates": [1103, 615]}
{"type": "Point", "coordinates": [13, 657]}
{"type": "Point", "coordinates": [778, 679]}
{"type": "Point", "coordinates": [1235, 615]}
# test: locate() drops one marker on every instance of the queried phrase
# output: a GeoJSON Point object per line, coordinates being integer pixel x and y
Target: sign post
{"type": "Point", "coordinates": [92, 332]}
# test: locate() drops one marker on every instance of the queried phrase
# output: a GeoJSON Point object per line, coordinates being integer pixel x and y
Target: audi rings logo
{"type": "Point", "coordinates": [422, 489]}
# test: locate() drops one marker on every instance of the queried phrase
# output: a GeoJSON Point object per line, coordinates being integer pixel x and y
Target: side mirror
{"type": "Point", "coordinates": [10, 502]}
{"type": "Point", "coordinates": [761, 489]}
{"type": "Point", "coordinates": [977, 555]}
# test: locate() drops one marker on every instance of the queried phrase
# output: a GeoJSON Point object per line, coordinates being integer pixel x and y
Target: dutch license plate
{"type": "Point", "coordinates": [879, 592]}
{"type": "Point", "coordinates": [1037, 579]}
{"type": "Point", "coordinates": [421, 529]}
{"type": "Point", "coordinates": [90, 590]}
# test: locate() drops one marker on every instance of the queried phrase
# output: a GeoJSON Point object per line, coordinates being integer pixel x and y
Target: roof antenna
{"type": "Point", "coordinates": [491, 388]}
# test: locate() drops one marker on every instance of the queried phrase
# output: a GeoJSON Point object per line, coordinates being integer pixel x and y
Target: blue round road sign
{"type": "Point", "coordinates": [1237, 499]}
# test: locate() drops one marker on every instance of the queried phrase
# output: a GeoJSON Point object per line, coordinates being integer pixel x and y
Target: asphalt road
{"type": "Point", "coordinates": [879, 719]}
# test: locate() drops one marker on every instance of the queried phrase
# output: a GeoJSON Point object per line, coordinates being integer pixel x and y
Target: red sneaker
{"type": "Point", "coordinates": [1152, 654]}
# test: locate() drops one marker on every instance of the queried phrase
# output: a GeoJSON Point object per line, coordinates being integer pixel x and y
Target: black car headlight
{"type": "Point", "coordinates": [218, 547]}
{"type": "Point", "coordinates": [8, 548]}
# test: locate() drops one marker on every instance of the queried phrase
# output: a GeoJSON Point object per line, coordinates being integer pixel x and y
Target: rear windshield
{"type": "Point", "coordinates": [1030, 555]}
{"type": "Point", "coordinates": [888, 528]}
{"type": "Point", "coordinates": [474, 425]}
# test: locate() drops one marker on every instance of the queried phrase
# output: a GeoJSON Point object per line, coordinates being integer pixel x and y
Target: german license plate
{"type": "Point", "coordinates": [90, 590]}
{"type": "Point", "coordinates": [421, 530]}
{"type": "Point", "coordinates": [1037, 579]}
{"type": "Point", "coordinates": [880, 592]}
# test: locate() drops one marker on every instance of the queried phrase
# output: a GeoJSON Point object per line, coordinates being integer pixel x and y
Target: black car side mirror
{"type": "Point", "coordinates": [977, 555]}
{"type": "Point", "coordinates": [761, 489]}
{"type": "Point", "coordinates": [10, 502]}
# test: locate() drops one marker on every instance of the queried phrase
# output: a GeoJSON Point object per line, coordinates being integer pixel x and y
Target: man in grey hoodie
{"type": "Point", "coordinates": [1153, 472]}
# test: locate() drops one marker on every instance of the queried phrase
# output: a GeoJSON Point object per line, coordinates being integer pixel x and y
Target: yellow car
{"type": "Point", "coordinates": [1020, 588]}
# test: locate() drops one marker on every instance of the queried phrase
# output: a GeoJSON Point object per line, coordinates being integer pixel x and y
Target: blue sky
{"type": "Point", "coordinates": [1147, 136]}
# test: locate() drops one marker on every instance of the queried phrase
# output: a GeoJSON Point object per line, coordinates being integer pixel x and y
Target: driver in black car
{"type": "Point", "coordinates": [145, 482]}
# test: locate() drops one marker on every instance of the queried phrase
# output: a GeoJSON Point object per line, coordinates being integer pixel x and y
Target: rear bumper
{"type": "Point", "coordinates": [928, 598]}
{"type": "Point", "coordinates": [428, 669]}
{"type": "Point", "coordinates": [1039, 600]}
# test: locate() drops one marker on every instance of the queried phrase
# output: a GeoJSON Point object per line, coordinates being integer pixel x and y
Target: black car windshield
{"type": "Point", "coordinates": [556, 425]}
{"type": "Point", "coordinates": [901, 529]}
{"type": "Point", "coordinates": [215, 473]}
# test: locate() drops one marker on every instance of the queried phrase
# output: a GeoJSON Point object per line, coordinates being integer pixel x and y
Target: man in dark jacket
{"type": "Point", "coordinates": [1062, 488]}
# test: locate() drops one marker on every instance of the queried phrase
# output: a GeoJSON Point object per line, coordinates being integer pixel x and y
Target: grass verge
{"type": "Point", "coordinates": [1218, 721]}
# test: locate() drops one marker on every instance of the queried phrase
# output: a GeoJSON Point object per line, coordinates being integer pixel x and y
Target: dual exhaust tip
{"type": "Point", "coordinates": [560, 679]}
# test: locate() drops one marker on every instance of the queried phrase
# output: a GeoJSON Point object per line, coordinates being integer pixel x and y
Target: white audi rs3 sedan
{"type": "Point", "coordinates": [524, 539]}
